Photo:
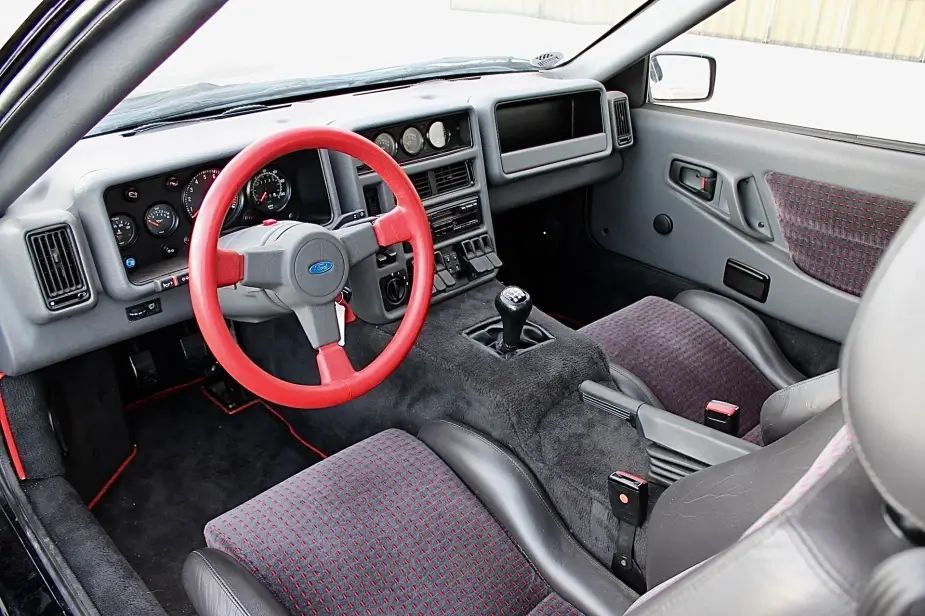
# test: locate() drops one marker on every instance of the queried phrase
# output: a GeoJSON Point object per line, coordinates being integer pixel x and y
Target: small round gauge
{"type": "Point", "coordinates": [123, 228]}
{"type": "Point", "coordinates": [194, 193]}
{"type": "Point", "coordinates": [437, 135]}
{"type": "Point", "coordinates": [412, 140]}
{"type": "Point", "coordinates": [269, 191]}
{"type": "Point", "coordinates": [161, 220]}
{"type": "Point", "coordinates": [387, 142]}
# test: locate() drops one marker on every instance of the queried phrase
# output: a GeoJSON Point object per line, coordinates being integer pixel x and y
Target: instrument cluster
{"type": "Point", "coordinates": [152, 218]}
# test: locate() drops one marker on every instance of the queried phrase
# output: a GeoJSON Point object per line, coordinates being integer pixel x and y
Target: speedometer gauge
{"type": "Point", "coordinates": [269, 191]}
{"type": "Point", "coordinates": [194, 193]}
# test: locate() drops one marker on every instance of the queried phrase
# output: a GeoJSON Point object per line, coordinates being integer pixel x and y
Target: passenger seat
{"type": "Point", "coordinates": [679, 355]}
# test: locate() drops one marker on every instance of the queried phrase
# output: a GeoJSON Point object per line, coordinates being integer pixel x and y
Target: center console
{"type": "Point", "coordinates": [441, 153]}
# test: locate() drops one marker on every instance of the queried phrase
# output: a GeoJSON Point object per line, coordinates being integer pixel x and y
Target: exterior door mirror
{"type": "Point", "coordinates": [677, 77]}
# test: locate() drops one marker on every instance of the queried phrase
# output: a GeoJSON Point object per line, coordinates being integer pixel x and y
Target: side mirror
{"type": "Point", "coordinates": [677, 77]}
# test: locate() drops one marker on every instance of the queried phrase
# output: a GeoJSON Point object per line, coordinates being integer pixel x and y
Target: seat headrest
{"type": "Point", "coordinates": [883, 373]}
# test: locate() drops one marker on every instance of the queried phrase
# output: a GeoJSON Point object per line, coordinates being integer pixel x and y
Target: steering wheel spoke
{"type": "Point", "coordinates": [319, 322]}
{"type": "Point", "coordinates": [229, 267]}
{"type": "Point", "coordinates": [393, 228]}
{"type": "Point", "coordinates": [360, 241]}
{"type": "Point", "coordinates": [264, 267]}
{"type": "Point", "coordinates": [333, 364]}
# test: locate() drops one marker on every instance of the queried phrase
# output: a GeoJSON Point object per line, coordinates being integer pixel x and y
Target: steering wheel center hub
{"type": "Point", "coordinates": [320, 268]}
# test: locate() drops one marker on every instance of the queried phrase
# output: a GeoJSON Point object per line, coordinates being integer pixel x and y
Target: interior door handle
{"type": "Point", "coordinates": [695, 179]}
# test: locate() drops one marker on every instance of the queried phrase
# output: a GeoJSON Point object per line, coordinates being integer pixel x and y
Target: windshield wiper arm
{"type": "Point", "coordinates": [226, 113]}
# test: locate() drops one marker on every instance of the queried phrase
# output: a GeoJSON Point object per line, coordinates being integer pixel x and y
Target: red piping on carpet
{"type": "Point", "coordinates": [293, 432]}
{"type": "Point", "coordinates": [224, 409]}
{"type": "Point", "coordinates": [161, 394]}
{"type": "Point", "coordinates": [270, 409]}
{"type": "Point", "coordinates": [112, 479]}
{"type": "Point", "coordinates": [8, 437]}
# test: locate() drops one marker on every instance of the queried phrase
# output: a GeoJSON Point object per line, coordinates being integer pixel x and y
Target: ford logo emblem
{"type": "Point", "coordinates": [320, 267]}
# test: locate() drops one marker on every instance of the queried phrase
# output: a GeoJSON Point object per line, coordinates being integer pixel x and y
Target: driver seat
{"type": "Point", "coordinates": [446, 523]}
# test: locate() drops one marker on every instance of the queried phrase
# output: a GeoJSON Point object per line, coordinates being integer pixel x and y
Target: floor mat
{"type": "Point", "coordinates": [194, 462]}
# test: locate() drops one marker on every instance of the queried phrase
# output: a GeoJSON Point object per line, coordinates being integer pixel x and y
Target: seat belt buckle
{"type": "Point", "coordinates": [722, 416]}
{"type": "Point", "coordinates": [629, 497]}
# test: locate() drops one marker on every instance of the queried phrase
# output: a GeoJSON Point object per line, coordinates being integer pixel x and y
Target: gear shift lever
{"type": "Point", "coordinates": [514, 306]}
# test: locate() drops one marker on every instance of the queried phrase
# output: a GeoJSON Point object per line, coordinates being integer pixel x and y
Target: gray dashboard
{"type": "Point", "coordinates": [71, 193]}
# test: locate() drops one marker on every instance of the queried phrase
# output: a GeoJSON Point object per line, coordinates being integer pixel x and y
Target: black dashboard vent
{"type": "Point", "coordinates": [452, 177]}
{"type": "Point", "coordinates": [422, 184]}
{"type": "Point", "coordinates": [442, 180]}
{"type": "Point", "coordinates": [621, 120]}
{"type": "Point", "coordinates": [58, 269]}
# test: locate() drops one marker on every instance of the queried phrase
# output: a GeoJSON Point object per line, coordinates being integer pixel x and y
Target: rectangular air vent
{"type": "Point", "coordinates": [621, 120]}
{"type": "Point", "coordinates": [57, 265]}
{"type": "Point", "coordinates": [422, 184]}
{"type": "Point", "coordinates": [442, 180]}
{"type": "Point", "coordinates": [452, 177]}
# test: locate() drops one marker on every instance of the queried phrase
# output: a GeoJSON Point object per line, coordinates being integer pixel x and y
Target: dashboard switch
{"type": "Point", "coordinates": [141, 311]}
{"type": "Point", "coordinates": [130, 263]}
{"type": "Point", "coordinates": [168, 251]}
{"type": "Point", "coordinates": [167, 283]}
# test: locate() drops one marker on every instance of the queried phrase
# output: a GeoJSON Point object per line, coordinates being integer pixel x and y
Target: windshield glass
{"type": "Point", "coordinates": [254, 51]}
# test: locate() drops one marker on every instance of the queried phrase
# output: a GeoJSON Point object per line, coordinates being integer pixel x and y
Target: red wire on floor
{"type": "Point", "coordinates": [161, 394]}
{"type": "Point", "coordinates": [112, 479]}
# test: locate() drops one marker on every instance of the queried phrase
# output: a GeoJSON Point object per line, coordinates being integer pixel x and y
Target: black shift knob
{"type": "Point", "coordinates": [514, 306]}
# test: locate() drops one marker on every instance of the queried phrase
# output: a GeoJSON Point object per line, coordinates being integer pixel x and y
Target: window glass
{"type": "Point", "coordinates": [849, 66]}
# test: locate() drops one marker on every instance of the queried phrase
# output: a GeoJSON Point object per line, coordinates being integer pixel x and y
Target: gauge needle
{"type": "Point", "coordinates": [156, 224]}
{"type": "Point", "coordinates": [263, 197]}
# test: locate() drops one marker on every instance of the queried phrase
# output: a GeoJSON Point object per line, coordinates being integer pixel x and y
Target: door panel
{"type": "Point", "coordinates": [813, 214]}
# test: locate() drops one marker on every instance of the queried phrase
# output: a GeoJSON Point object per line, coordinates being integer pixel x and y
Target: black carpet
{"type": "Point", "coordinates": [194, 462]}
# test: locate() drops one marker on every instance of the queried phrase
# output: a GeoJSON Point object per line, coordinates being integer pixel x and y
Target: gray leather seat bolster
{"type": "Point", "coordinates": [745, 331]}
{"type": "Point", "coordinates": [791, 407]}
{"type": "Point", "coordinates": [683, 529]}
{"type": "Point", "coordinates": [798, 562]}
{"type": "Point", "coordinates": [508, 489]}
{"type": "Point", "coordinates": [633, 386]}
{"type": "Point", "coordinates": [218, 586]}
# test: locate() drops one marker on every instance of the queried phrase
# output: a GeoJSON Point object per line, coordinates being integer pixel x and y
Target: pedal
{"type": "Point", "coordinates": [144, 370]}
{"type": "Point", "coordinates": [195, 352]}
{"type": "Point", "coordinates": [225, 391]}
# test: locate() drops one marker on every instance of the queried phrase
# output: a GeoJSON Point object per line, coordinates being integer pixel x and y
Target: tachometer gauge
{"type": "Point", "coordinates": [269, 191]}
{"type": "Point", "coordinates": [412, 140]}
{"type": "Point", "coordinates": [438, 135]}
{"type": "Point", "coordinates": [387, 142]}
{"type": "Point", "coordinates": [124, 230]}
{"type": "Point", "coordinates": [194, 193]}
{"type": "Point", "coordinates": [161, 220]}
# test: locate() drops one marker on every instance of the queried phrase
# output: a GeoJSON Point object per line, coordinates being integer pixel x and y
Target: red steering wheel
{"type": "Point", "coordinates": [305, 267]}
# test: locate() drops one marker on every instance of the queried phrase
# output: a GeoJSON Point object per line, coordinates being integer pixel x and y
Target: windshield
{"type": "Point", "coordinates": [254, 51]}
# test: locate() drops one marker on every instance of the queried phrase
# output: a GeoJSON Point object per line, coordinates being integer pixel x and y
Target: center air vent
{"type": "Point", "coordinates": [621, 121]}
{"type": "Point", "coordinates": [57, 265]}
{"type": "Point", "coordinates": [442, 180]}
{"type": "Point", "coordinates": [422, 184]}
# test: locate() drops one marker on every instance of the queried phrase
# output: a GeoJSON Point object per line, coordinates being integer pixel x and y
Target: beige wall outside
{"type": "Point", "coordinates": [887, 28]}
